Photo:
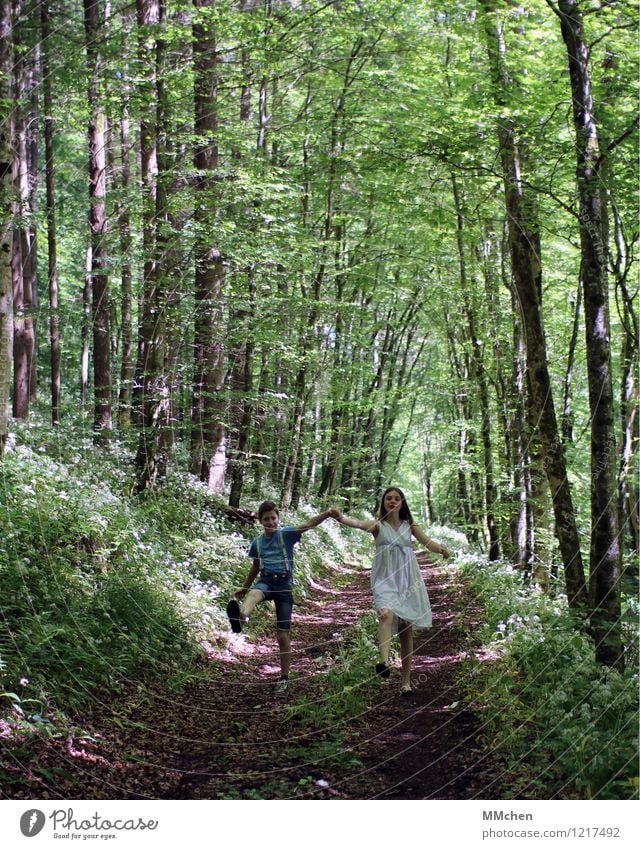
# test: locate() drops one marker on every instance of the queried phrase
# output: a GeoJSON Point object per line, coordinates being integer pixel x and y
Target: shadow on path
{"type": "Point", "coordinates": [226, 735]}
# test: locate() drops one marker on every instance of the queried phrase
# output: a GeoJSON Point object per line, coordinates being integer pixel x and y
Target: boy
{"type": "Point", "coordinates": [272, 554]}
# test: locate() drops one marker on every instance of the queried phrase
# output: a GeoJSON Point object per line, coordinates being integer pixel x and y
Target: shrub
{"type": "Point", "coordinates": [566, 725]}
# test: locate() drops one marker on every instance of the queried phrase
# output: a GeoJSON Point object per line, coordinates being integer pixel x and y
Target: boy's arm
{"type": "Point", "coordinates": [253, 574]}
{"type": "Point", "coordinates": [361, 524]}
{"type": "Point", "coordinates": [313, 522]}
{"type": "Point", "coordinates": [428, 543]}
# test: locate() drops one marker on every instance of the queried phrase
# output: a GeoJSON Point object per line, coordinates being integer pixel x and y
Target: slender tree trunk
{"type": "Point", "coordinates": [150, 374]}
{"type": "Point", "coordinates": [85, 335]}
{"type": "Point", "coordinates": [294, 458]}
{"type": "Point", "coordinates": [240, 322]}
{"type": "Point", "coordinates": [258, 444]}
{"type": "Point", "coordinates": [465, 507]}
{"type": "Point", "coordinates": [172, 219]}
{"type": "Point", "coordinates": [24, 281]}
{"type": "Point", "coordinates": [147, 15]}
{"type": "Point", "coordinates": [6, 221]}
{"type": "Point", "coordinates": [30, 233]}
{"type": "Point", "coordinates": [98, 227]}
{"type": "Point", "coordinates": [339, 395]}
{"type": "Point", "coordinates": [490, 498]}
{"type": "Point", "coordinates": [524, 244]}
{"type": "Point", "coordinates": [629, 393]}
{"type": "Point", "coordinates": [127, 369]}
{"type": "Point", "coordinates": [496, 376]}
{"type": "Point", "coordinates": [208, 444]}
{"type": "Point", "coordinates": [54, 316]}
{"type": "Point", "coordinates": [242, 388]}
{"type": "Point", "coordinates": [567, 412]}
{"type": "Point", "coordinates": [521, 513]}
{"type": "Point", "coordinates": [604, 576]}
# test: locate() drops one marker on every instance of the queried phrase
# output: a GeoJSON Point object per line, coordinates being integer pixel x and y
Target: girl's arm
{"type": "Point", "coordinates": [361, 524]}
{"type": "Point", "coordinates": [313, 522]}
{"type": "Point", "coordinates": [428, 543]}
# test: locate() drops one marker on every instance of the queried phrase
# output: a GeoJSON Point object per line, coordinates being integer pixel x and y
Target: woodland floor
{"type": "Point", "coordinates": [225, 735]}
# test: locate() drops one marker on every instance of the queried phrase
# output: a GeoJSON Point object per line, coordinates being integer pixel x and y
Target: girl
{"type": "Point", "coordinates": [399, 593]}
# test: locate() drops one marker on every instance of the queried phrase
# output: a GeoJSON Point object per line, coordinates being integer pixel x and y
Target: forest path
{"type": "Point", "coordinates": [226, 734]}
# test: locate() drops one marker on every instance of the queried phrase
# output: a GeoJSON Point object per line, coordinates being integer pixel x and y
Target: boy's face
{"type": "Point", "coordinates": [270, 521]}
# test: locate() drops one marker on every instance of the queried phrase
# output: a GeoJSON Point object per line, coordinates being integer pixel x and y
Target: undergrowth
{"type": "Point", "coordinates": [566, 725]}
{"type": "Point", "coordinates": [101, 588]}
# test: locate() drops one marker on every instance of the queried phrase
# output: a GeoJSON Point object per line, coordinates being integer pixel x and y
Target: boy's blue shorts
{"type": "Point", "coordinates": [279, 589]}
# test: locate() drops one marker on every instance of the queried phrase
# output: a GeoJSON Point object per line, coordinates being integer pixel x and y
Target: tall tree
{"type": "Point", "coordinates": [24, 242]}
{"type": "Point", "coordinates": [208, 435]}
{"type": "Point", "coordinates": [526, 266]}
{"type": "Point", "coordinates": [123, 214]}
{"type": "Point", "coordinates": [93, 22]}
{"type": "Point", "coordinates": [629, 387]}
{"type": "Point", "coordinates": [149, 377]}
{"type": "Point", "coordinates": [604, 574]}
{"type": "Point", "coordinates": [477, 358]}
{"type": "Point", "coordinates": [6, 221]}
{"type": "Point", "coordinates": [52, 245]}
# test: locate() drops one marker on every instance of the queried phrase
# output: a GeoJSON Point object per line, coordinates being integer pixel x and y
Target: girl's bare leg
{"type": "Point", "coordinates": [405, 633]}
{"type": "Point", "coordinates": [385, 628]}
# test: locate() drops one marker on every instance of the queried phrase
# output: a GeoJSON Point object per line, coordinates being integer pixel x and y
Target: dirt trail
{"type": "Point", "coordinates": [226, 735]}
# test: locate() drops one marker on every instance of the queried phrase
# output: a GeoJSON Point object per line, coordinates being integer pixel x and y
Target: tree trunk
{"type": "Point", "coordinates": [629, 393]}
{"type": "Point", "coordinates": [477, 358]}
{"type": "Point", "coordinates": [54, 317]}
{"type": "Point", "coordinates": [294, 458]}
{"type": "Point", "coordinates": [150, 374]}
{"type": "Point", "coordinates": [85, 332]}
{"type": "Point", "coordinates": [171, 221]}
{"type": "Point", "coordinates": [98, 228]}
{"type": "Point", "coordinates": [6, 221]}
{"type": "Point", "coordinates": [127, 370]}
{"type": "Point", "coordinates": [524, 244]}
{"type": "Point", "coordinates": [604, 575]}
{"type": "Point", "coordinates": [339, 394]}
{"type": "Point", "coordinates": [147, 14]}
{"type": "Point", "coordinates": [208, 441]}
{"type": "Point", "coordinates": [241, 388]}
{"type": "Point", "coordinates": [24, 280]}
{"type": "Point", "coordinates": [567, 413]}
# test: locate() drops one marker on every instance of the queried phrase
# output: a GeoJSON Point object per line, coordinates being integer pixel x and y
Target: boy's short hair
{"type": "Point", "coordinates": [267, 507]}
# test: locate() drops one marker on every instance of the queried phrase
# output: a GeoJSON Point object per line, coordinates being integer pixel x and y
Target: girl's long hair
{"type": "Point", "coordinates": [404, 513]}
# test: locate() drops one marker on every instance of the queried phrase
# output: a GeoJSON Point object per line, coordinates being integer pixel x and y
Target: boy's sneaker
{"type": "Point", "coordinates": [282, 687]}
{"type": "Point", "coordinates": [233, 614]}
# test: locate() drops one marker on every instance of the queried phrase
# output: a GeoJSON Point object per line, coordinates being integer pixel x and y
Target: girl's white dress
{"type": "Point", "coordinates": [396, 581]}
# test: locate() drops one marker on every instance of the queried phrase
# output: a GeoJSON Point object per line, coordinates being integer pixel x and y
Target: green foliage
{"type": "Point", "coordinates": [101, 587]}
{"type": "Point", "coordinates": [97, 589]}
{"type": "Point", "coordinates": [566, 725]}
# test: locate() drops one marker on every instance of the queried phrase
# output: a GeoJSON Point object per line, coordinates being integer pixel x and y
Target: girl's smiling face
{"type": "Point", "coordinates": [270, 521]}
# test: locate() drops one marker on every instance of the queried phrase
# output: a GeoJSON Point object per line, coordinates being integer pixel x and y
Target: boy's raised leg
{"type": "Point", "coordinates": [237, 613]}
{"type": "Point", "coordinates": [253, 598]}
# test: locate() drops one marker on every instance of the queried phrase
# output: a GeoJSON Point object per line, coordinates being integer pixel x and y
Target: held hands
{"type": "Point", "coordinates": [241, 593]}
{"type": "Point", "coordinates": [334, 513]}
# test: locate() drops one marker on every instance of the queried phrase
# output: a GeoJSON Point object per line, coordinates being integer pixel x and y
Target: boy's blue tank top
{"type": "Point", "coordinates": [276, 553]}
